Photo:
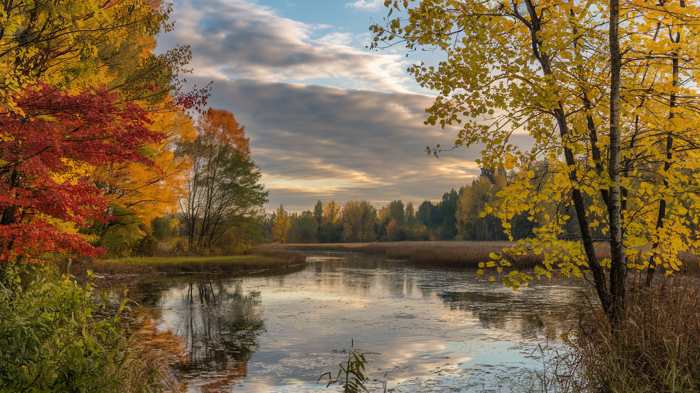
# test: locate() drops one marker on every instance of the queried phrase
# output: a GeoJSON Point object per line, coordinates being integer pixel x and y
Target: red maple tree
{"type": "Point", "coordinates": [45, 148]}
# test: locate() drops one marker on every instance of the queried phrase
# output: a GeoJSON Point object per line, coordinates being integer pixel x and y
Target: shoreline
{"type": "Point", "coordinates": [444, 253]}
{"type": "Point", "coordinates": [448, 254]}
{"type": "Point", "coordinates": [249, 263]}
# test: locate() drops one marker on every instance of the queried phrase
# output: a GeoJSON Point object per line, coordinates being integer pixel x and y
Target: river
{"type": "Point", "coordinates": [422, 329]}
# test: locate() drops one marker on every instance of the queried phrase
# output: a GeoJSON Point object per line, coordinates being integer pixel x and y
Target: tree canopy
{"type": "Point", "coordinates": [607, 92]}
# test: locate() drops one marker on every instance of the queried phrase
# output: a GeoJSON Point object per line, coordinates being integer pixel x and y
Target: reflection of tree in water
{"type": "Point", "coordinates": [219, 324]}
{"type": "Point", "coordinates": [147, 291]}
{"type": "Point", "coordinates": [532, 314]}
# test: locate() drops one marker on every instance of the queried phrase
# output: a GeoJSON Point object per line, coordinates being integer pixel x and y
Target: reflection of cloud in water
{"type": "Point", "coordinates": [425, 329]}
{"type": "Point", "coordinates": [323, 258]}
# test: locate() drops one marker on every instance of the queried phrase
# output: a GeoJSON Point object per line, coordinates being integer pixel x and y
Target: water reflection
{"type": "Point", "coordinates": [426, 329]}
{"type": "Point", "coordinates": [543, 311]}
{"type": "Point", "coordinates": [218, 323]}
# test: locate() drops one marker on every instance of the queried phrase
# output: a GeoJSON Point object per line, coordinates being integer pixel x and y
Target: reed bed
{"type": "Point", "coordinates": [451, 254]}
{"type": "Point", "coordinates": [657, 347]}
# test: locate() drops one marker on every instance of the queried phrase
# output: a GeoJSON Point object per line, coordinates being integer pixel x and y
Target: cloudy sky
{"type": "Point", "coordinates": [327, 118]}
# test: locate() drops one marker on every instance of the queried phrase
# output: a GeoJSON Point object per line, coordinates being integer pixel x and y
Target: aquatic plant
{"type": "Point", "coordinates": [351, 373]}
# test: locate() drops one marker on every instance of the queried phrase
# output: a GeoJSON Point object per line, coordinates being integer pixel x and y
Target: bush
{"type": "Point", "coordinates": [53, 340]}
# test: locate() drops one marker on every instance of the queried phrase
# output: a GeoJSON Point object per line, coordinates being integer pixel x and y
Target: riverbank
{"type": "Point", "coordinates": [452, 254]}
{"type": "Point", "coordinates": [253, 263]}
{"type": "Point", "coordinates": [59, 335]}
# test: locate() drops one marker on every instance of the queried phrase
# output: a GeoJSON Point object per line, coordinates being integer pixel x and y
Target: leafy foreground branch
{"type": "Point", "coordinates": [56, 336]}
{"type": "Point", "coordinates": [607, 93]}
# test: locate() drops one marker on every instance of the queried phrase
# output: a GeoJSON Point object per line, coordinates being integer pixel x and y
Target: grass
{"type": "Point", "coordinates": [58, 335]}
{"type": "Point", "coordinates": [654, 350]}
{"type": "Point", "coordinates": [226, 259]}
{"type": "Point", "coordinates": [204, 264]}
{"type": "Point", "coordinates": [454, 254]}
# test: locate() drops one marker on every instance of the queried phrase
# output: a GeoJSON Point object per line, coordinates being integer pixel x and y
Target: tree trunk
{"type": "Point", "coordinates": [617, 253]}
{"type": "Point", "coordinates": [576, 194]}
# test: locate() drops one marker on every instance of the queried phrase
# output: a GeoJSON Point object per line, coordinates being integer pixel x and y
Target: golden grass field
{"type": "Point", "coordinates": [442, 253]}
{"type": "Point", "coordinates": [459, 254]}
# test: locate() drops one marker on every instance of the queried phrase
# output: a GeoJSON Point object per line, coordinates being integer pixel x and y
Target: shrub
{"type": "Point", "coordinates": [53, 338]}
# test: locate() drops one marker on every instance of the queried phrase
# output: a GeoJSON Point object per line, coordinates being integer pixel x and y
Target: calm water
{"type": "Point", "coordinates": [424, 330]}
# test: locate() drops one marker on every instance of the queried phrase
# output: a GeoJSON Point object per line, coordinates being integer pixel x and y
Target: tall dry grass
{"type": "Point", "coordinates": [656, 349]}
{"type": "Point", "coordinates": [453, 254]}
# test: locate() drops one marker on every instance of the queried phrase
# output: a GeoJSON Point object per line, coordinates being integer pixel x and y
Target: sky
{"type": "Point", "coordinates": [327, 118]}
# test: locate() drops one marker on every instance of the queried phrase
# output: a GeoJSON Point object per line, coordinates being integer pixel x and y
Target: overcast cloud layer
{"type": "Point", "coordinates": [324, 143]}
{"type": "Point", "coordinates": [327, 119]}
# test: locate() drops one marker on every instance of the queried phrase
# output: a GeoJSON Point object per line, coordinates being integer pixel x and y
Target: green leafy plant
{"type": "Point", "coordinates": [57, 336]}
{"type": "Point", "coordinates": [351, 373]}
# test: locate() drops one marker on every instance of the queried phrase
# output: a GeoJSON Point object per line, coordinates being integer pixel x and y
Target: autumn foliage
{"type": "Point", "coordinates": [48, 152]}
{"type": "Point", "coordinates": [223, 127]}
{"type": "Point", "coordinates": [90, 115]}
{"type": "Point", "coordinates": [606, 92]}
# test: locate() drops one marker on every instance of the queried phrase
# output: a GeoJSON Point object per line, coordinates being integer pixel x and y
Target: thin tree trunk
{"type": "Point", "coordinates": [209, 190]}
{"type": "Point", "coordinates": [669, 156]}
{"type": "Point", "coordinates": [627, 162]}
{"type": "Point", "coordinates": [576, 194]}
{"type": "Point", "coordinates": [617, 253]}
{"type": "Point", "coordinates": [585, 229]}
{"type": "Point", "coordinates": [191, 214]}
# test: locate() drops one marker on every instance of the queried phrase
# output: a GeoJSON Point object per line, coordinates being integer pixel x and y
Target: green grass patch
{"type": "Point", "coordinates": [57, 335]}
{"type": "Point", "coordinates": [203, 264]}
{"type": "Point", "coordinates": [229, 259]}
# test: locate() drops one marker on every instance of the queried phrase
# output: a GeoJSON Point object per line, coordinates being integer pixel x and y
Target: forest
{"type": "Point", "coordinates": [132, 211]}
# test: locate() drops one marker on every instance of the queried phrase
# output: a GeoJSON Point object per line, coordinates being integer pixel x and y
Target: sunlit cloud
{"type": "Point", "coordinates": [366, 5]}
{"type": "Point", "coordinates": [458, 169]}
{"type": "Point", "coordinates": [327, 119]}
{"type": "Point", "coordinates": [234, 39]}
{"type": "Point", "coordinates": [340, 39]}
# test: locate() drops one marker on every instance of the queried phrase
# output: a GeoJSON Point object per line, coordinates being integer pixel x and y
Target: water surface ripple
{"type": "Point", "coordinates": [423, 329]}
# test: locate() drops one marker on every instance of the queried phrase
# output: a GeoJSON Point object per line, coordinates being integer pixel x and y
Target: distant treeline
{"type": "Point", "coordinates": [458, 215]}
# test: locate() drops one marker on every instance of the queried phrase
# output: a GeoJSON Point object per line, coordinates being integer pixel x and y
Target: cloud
{"type": "Point", "coordinates": [360, 136]}
{"type": "Point", "coordinates": [237, 39]}
{"type": "Point", "coordinates": [315, 142]}
{"type": "Point", "coordinates": [366, 5]}
{"type": "Point", "coordinates": [336, 39]}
